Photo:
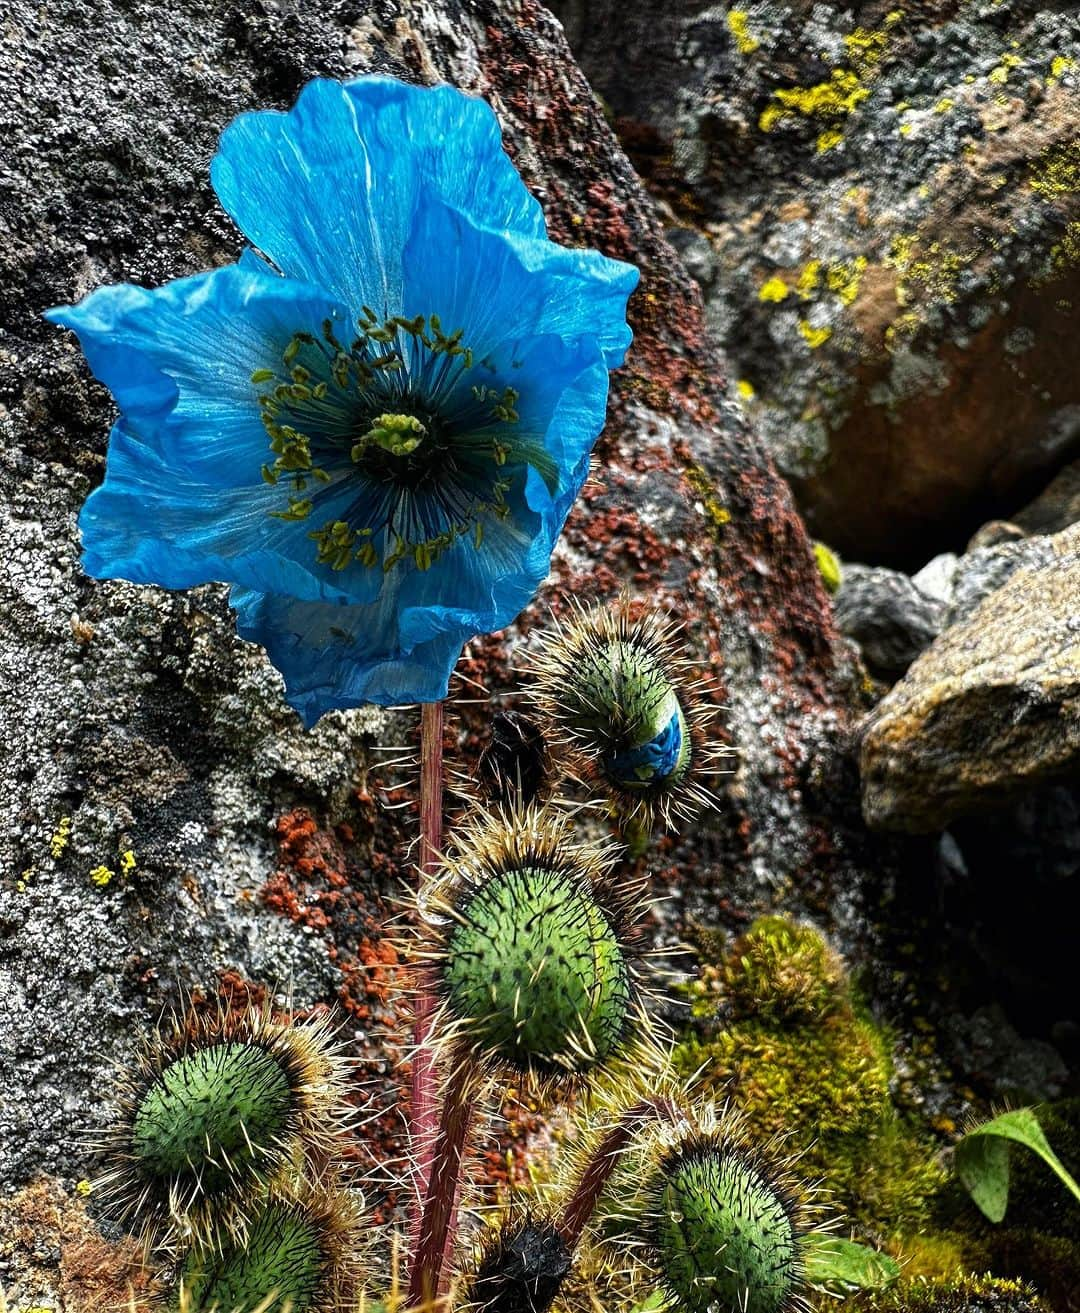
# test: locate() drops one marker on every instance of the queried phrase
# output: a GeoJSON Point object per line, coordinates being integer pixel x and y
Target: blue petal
{"type": "Point", "coordinates": [328, 190]}
{"type": "Point", "coordinates": [334, 657]}
{"type": "Point", "coordinates": [183, 500]}
{"type": "Point", "coordinates": [504, 289]}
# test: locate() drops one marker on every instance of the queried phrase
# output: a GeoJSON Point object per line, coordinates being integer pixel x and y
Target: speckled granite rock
{"type": "Point", "coordinates": [891, 195]}
{"type": "Point", "coordinates": [992, 707]}
{"type": "Point", "coordinates": [134, 721]}
{"type": "Point", "coordinates": [890, 618]}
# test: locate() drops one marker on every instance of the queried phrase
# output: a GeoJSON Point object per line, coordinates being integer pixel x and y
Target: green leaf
{"type": "Point", "coordinates": [656, 1300]}
{"type": "Point", "coordinates": [982, 1159]}
{"type": "Point", "coordinates": [840, 1267]}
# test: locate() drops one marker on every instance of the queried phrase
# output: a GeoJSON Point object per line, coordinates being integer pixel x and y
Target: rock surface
{"type": "Point", "coordinates": [1056, 507]}
{"type": "Point", "coordinates": [990, 709]}
{"type": "Point", "coordinates": [883, 203]}
{"type": "Point", "coordinates": [134, 722]}
{"type": "Point", "coordinates": [890, 618]}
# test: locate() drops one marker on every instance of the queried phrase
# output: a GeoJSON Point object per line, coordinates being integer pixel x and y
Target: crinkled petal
{"type": "Point", "coordinates": [184, 501]}
{"type": "Point", "coordinates": [504, 289]}
{"type": "Point", "coordinates": [330, 189]}
{"type": "Point", "coordinates": [335, 657]}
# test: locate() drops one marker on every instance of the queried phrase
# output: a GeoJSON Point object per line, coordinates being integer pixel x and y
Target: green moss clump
{"type": "Point", "coordinates": [801, 1057]}
{"type": "Point", "coordinates": [781, 972]}
{"type": "Point", "coordinates": [963, 1295]}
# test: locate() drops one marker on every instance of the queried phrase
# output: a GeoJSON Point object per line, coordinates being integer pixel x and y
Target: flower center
{"type": "Point", "coordinates": [388, 438]}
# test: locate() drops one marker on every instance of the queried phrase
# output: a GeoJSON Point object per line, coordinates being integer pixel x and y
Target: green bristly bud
{"type": "Point", "coordinates": [535, 971]}
{"type": "Point", "coordinates": [212, 1114]}
{"type": "Point", "coordinates": [284, 1258]}
{"type": "Point", "coordinates": [724, 1239]}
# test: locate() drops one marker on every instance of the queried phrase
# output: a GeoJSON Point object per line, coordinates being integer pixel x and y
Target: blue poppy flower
{"type": "Point", "coordinates": [374, 429]}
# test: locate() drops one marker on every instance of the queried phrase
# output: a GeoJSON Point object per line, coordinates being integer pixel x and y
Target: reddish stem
{"type": "Point", "coordinates": [428, 1278]}
{"type": "Point", "coordinates": [423, 1113]}
{"type": "Point", "coordinates": [582, 1203]}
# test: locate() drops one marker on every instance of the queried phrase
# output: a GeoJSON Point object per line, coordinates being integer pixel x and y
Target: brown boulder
{"type": "Point", "coordinates": [992, 707]}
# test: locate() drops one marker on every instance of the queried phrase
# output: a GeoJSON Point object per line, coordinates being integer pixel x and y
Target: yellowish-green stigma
{"type": "Point", "coordinates": [724, 1235]}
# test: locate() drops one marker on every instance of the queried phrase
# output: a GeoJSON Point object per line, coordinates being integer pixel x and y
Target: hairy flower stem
{"type": "Point", "coordinates": [423, 1113]}
{"type": "Point", "coordinates": [582, 1203]}
{"type": "Point", "coordinates": [430, 1271]}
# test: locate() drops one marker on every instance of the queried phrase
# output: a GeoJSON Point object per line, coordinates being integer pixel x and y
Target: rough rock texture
{"type": "Point", "coordinates": [135, 722]}
{"type": "Point", "coordinates": [890, 618]}
{"type": "Point", "coordinates": [990, 709]}
{"type": "Point", "coordinates": [1056, 507]}
{"type": "Point", "coordinates": [984, 570]}
{"type": "Point", "coordinates": [882, 203]}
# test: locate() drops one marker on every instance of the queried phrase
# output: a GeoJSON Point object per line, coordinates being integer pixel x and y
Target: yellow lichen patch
{"type": "Point", "coordinates": [717, 513]}
{"type": "Point", "coordinates": [1064, 255]}
{"type": "Point", "coordinates": [814, 337]}
{"type": "Point", "coordinates": [902, 329]}
{"type": "Point", "coordinates": [60, 839]}
{"type": "Point", "coordinates": [902, 251]}
{"type": "Point", "coordinates": [24, 879]}
{"type": "Point", "coordinates": [809, 280]}
{"type": "Point", "coordinates": [906, 129]}
{"type": "Point", "coordinates": [737, 21]}
{"type": "Point", "coordinates": [102, 876]}
{"type": "Point", "coordinates": [1057, 171]}
{"type": "Point", "coordinates": [745, 389]}
{"type": "Point", "coordinates": [833, 99]}
{"type": "Point", "coordinates": [775, 289]}
{"type": "Point", "coordinates": [1059, 66]}
{"type": "Point", "coordinates": [865, 48]}
{"type": "Point", "coordinates": [944, 105]}
{"type": "Point", "coordinates": [84, 1187]}
{"type": "Point", "coordinates": [127, 862]}
{"type": "Point", "coordinates": [843, 279]}
{"type": "Point", "coordinates": [1000, 73]}
{"type": "Point", "coordinates": [936, 277]}
{"type": "Point", "coordinates": [828, 139]}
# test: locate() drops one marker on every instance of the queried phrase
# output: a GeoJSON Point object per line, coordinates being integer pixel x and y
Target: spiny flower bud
{"type": "Point", "coordinates": [724, 1235]}
{"type": "Point", "coordinates": [627, 708]}
{"type": "Point", "coordinates": [217, 1110]}
{"type": "Point", "coordinates": [536, 958]}
{"type": "Point", "coordinates": [294, 1253]}
{"type": "Point", "coordinates": [521, 1269]}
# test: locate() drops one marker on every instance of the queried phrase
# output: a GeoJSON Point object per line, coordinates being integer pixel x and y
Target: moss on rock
{"type": "Point", "coordinates": [801, 1057]}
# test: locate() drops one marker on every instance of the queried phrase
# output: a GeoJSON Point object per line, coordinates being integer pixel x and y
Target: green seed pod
{"type": "Point", "coordinates": [724, 1237]}
{"type": "Point", "coordinates": [629, 712]}
{"type": "Point", "coordinates": [723, 1220]}
{"type": "Point", "coordinates": [293, 1252]}
{"type": "Point", "coordinates": [536, 956]}
{"type": "Point", "coordinates": [218, 1110]}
